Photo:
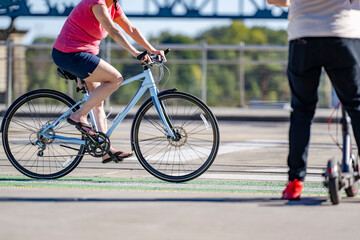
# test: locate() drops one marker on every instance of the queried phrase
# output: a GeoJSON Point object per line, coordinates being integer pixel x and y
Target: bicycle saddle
{"type": "Point", "coordinates": [65, 74]}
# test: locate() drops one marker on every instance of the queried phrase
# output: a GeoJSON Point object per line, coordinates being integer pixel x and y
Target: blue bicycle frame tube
{"type": "Point", "coordinates": [61, 118]}
{"type": "Point", "coordinates": [148, 83]}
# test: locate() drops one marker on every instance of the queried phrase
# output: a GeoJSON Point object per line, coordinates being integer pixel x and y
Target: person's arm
{"type": "Point", "coordinates": [102, 15]}
{"type": "Point", "coordinates": [279, 3]}
{"type": "Point", "coordinates": [135, 34]}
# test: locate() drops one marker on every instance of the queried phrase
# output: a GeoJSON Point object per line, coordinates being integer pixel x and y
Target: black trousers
{"type": "Point", "coordinates": [340, 57]}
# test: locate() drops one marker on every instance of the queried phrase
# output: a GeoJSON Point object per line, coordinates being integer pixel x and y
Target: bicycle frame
{"type": "Point", "coordinates": [148, 84]}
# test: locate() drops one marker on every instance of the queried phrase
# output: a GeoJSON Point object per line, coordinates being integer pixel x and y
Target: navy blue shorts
{"type": "Point", "coordinates": [80, 64]}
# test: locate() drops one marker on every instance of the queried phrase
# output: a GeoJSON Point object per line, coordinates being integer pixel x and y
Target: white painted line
{"type": "Point", "coordinates": [249, 145]}
{"type": "Point", "coordinates": [256, 177]}
{"type": "Point", "coordinates": [284, 170]}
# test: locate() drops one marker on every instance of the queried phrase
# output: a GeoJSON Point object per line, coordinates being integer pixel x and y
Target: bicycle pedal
{"type": "Point", "coordinates": [113, 157]}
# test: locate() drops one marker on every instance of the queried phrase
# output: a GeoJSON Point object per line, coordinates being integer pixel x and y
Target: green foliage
{"type": "Point", "coordinates": [263, 82]}
{"type": "Point", "coordinates": [166, 37]}
{"type": "Point", "coordinates": [237, 32]}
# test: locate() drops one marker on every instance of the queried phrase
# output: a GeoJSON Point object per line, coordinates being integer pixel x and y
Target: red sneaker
{"type": "Point", "coordinates": [293, 190]}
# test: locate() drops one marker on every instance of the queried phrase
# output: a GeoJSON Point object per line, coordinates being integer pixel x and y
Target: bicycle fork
{"type": "Point", "coordinates": [161, 110]}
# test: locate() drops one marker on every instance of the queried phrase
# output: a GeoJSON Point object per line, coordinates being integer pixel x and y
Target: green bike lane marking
{"type": "Point", "coordinates": [125, 184]}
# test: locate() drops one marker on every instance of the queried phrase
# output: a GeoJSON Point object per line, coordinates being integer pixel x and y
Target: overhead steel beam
{"type": "Point", "coordinates": [230, 9]}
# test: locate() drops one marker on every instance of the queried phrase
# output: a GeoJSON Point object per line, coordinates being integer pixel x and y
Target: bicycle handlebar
{"type": "Point", "coordinates": [142, 55]}
{"type": "Point", "coordinates": [156, 59]}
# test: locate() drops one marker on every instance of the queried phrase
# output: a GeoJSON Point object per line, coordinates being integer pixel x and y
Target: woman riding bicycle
{"type": "Point", "coordinates": [75, 51]}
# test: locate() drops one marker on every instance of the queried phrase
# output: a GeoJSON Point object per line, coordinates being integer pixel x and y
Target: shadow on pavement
{"type": "Point", "coordinates": [276, 202]}
{"type": "Point", "coordinates": [313, 201]}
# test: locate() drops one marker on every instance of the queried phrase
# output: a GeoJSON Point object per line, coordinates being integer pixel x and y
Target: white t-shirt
{"type": "Point", "coordinates": [324, 18]}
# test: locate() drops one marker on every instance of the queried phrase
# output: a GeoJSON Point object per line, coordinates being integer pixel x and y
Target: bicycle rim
{"type": "Point", "coordinates": [25, 119]}
{"type": "Point", "coordinates": [176, 160]}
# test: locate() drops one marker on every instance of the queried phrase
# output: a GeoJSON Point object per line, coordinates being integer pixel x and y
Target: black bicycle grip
{"type": "Point", "coordinates": [167, 51]}
{"type": "Point", "coordinates": [142, 55]}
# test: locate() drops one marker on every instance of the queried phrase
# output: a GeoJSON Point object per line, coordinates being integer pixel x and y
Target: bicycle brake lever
{"type": "Point", "coordinates": [156, 59]}
{"type": "Point", "coordinates": [159, 59]}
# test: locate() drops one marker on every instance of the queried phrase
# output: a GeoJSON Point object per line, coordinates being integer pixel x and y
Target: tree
{"type": "Point", "coordinates": [261, 80]}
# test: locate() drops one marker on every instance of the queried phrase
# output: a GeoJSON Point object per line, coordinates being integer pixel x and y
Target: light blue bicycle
{"type": "Point", "coordinates": [174, 135]}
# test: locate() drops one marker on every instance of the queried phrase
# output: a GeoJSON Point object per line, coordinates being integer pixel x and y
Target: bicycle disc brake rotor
{"type": "Point", "coordinates": [97, 145]}
{"type": "Point", "coordinates": [181, 137]}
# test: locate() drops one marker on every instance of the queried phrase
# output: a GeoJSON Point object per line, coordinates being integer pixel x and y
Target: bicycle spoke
{"type": "Point", "coordinates": [194, 146]}
{"type": "Point", "coordinates": [31, 152]}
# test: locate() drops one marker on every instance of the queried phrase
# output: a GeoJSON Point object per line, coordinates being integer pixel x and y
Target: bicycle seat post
{"type": "Point", "coordinates": [81, 86]}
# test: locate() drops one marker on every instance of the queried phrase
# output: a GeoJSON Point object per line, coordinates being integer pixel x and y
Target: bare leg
{"type": "Point", "coordinates": [99, 114]}
{"type": "Point", "coordinates": [101, 84]}
{"type": "Point", "coordinates": [98, 110]}
{"type": "Point", "coordinates": [111, 80]}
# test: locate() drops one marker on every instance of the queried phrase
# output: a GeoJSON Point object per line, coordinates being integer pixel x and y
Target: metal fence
{"type": "Point", "coordinates": [221, 75]}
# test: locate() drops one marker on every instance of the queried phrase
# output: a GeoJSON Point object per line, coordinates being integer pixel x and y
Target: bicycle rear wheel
{"type": "Point", "coordinates": [198, 138]}
{"type": "Point", "coordinates": [23, 122]}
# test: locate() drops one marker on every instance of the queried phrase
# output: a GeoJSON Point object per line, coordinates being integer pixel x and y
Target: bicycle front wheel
{"type": "Point", "coordinates": [195, 148]}
{"type": "Point", "coordinates": [27, 150]}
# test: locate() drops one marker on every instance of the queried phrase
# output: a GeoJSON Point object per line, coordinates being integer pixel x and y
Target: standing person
{"type": "Point", "coordinates": [75, 51]}
{"type": "Point", "coordinates": [322, 34]}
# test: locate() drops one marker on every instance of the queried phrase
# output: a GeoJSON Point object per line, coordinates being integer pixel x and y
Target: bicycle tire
{"type": "Point", "coordinates": [192, 154]}
{"type": "Point", "coordinates": [21, 125]}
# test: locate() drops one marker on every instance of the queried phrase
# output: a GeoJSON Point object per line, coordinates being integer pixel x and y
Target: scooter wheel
{"type": "Point", "coordinates": [333, 170]}
{"type": "Point", "coordinates": [334, 190]}
{"type": "Point", "coordinates": [351, 191]}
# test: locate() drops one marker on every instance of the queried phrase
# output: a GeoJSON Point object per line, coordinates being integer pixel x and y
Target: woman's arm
{"type": "Point", "coordinates": [102, 15]}
{"type": "Point", "coordinates": [135, 34]}
{"type": "Point", "coordinates": [279, 3]}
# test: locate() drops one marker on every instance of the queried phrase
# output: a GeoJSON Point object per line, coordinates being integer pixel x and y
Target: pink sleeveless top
{"type": "Point", "coordinates": [82, 32]}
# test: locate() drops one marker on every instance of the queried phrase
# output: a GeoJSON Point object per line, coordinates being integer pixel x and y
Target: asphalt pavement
{"type": "Point", "coordinates": [237, 198]}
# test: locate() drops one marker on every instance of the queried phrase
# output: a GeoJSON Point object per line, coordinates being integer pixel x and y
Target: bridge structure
{"type": "Point", "coordinates": [229, 9]}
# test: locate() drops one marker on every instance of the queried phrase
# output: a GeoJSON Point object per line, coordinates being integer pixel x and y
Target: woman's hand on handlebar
{"type": "Point", "coordinates": [145, 58]}
{"type": "Point", "coordinates": [157, 56]}
{"type": "Point", "coordinates": [161, 53]}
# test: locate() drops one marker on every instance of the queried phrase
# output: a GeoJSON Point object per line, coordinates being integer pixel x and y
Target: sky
{"type": "Point", "coordinates": [50, 27]}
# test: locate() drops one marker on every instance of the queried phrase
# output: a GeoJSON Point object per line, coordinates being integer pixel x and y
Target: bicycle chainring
{"type": "Point", "coordinates": [97, 145]}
